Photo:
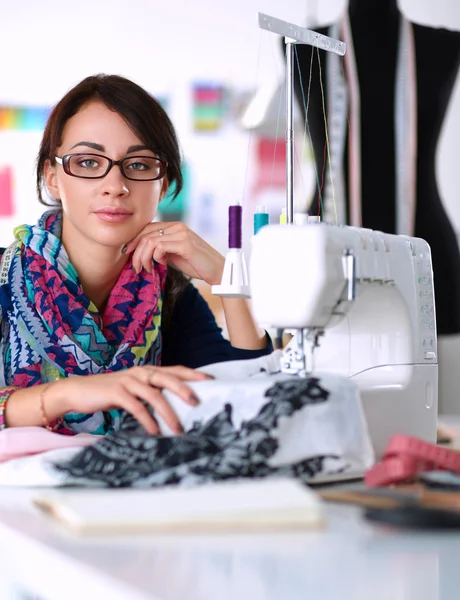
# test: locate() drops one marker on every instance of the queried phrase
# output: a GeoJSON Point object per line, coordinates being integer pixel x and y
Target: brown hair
{"type": "Point", "coordinates": [142, 113]}
{"type": "Point", "coordinates": [149, 121]}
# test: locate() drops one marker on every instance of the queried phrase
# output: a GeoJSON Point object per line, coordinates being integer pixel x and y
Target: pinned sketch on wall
{"type": "Point", "coordinates": [19, 118]}
{"type": "Point", "coordinates": [209, 106]}
{"type": "Point", "coordinates": [6, 191]}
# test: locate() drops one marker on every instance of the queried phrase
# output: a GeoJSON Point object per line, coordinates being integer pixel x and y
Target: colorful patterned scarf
{"type": "Point", "coordinates": [51, 329]}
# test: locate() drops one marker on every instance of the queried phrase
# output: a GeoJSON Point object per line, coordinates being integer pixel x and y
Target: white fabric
{"type": "Point", "coordinates": [329, 426]}
{"type": "Point", "coordinates": [36, 470]}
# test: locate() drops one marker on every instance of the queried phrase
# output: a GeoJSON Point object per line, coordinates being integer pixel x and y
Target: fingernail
{"type": "Point", "coordinates": [123, 250]}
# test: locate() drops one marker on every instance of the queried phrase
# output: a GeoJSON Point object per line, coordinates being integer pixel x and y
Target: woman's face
{"type": "Point", "coordinates": [89, 204]}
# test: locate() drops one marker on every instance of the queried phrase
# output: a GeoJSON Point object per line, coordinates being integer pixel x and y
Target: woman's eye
{"type": "Point", "coordinates": [88, 163]}
{"type": "Point", "coordinates": [138, 166]}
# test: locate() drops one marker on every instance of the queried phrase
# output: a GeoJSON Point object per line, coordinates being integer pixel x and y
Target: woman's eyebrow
{"type": "Point", "coordinates": [136, 148]}
{"type": "Point", "coordinates": [92, 145]}
{"type": "Point", "coordinates": [101, 148]}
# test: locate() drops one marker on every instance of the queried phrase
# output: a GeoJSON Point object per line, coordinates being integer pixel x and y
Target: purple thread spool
{"type": "Point", "coordinates": [235, 226]}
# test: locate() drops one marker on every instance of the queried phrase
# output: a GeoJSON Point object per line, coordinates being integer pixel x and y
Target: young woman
{"type": "Point", "coordinates": [96, 310]}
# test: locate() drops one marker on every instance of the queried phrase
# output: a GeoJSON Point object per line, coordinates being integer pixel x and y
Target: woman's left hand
{"type": "Point", "coordinates": [175, 243]}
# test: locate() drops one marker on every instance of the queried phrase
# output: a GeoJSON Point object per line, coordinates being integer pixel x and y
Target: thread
{"type": "Point", "coordinates": [306, 104]}
{"type": "Point", "coordinates": [261, 218]}
{"type": "Point", "coordinates": [326, 133]}
{"type": "Point", "coordinates": [235, 213]}
{"type": "Point", "coordinates": [283, 219]}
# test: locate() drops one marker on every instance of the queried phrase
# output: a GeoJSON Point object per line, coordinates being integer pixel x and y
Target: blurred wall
{"type": "Point", "coordinates": [46, 47]}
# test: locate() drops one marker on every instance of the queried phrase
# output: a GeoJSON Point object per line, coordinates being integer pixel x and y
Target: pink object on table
{"type": "Point", "coordinates": [405, 457]}
{"type": "Point", "coordinates": [25, 441]}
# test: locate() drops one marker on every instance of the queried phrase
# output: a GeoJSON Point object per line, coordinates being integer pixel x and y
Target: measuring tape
{"type": "Point", "coordinates": [406, 131]}
{"type": "Point", "coordinates": [339, 99]}
{"type": "Point", "coordinates": [334, 199]}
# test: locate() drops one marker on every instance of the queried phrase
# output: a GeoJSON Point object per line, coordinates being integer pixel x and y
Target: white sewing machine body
{"type": "Point", "coordinates": [385, 338]}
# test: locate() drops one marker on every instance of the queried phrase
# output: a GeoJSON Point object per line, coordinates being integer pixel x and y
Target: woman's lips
{"type": "Point", "coordinates": [113, 215]}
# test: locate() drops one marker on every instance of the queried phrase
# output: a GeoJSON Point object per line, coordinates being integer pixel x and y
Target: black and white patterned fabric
{"type": "Point", "coordinates": [252, 422]}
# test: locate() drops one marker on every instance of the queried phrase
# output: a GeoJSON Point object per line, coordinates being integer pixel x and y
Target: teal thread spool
{"type": "Point", "coordinates": [261, 218]}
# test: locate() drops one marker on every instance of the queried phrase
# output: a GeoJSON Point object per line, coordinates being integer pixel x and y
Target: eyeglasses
{"type": "Point", "coordinates": [96, 166]}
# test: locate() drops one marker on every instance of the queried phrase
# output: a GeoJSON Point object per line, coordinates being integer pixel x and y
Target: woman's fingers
{"type": "Point", "coordinates": [155, 229]}
{"type": "Point", "coordinates": [176, 244]}
{"type": "Point", "coordinates": [146, 383]}
{"type": "Point", "coordinates": [155, 398]}
{"type": "Point", "coordinates": [185, 373]}
{"type": "Point", "coordinates": [148, 248]}
{"type": "Point", "coordinates": [138, 386]}
{"type": "Point", "coordinates": [157, 248]}
{"type": "Point", "coordinates": [130, 403]}
{"type": "Point", "coordinates": [162, 380]}
{"type": "Point", "coordinates": [138, 255]}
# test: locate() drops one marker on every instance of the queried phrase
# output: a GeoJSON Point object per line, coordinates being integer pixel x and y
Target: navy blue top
{"type": "Point", "coordinates": [194, 339]}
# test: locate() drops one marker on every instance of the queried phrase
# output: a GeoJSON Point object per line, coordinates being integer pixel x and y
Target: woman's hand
{"type": "Point", "coordinates": [126, 389]}
{"type": "Point", "coordinates": [175, 243]}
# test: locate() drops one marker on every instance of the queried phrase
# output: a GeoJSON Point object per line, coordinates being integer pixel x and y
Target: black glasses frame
{"type": "Point", "coordinates": [65, 162]}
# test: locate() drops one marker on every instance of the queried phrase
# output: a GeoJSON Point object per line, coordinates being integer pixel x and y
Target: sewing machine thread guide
{"type": "Point", "coordinates": [301, 34]}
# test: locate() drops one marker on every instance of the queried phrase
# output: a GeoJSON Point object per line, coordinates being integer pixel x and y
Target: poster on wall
{"type": "Point", "coordinates": [208, 106]}
{"type": "Point", "coordinates": [20, 131]}
{"type": "Point", "coordinates": [29, 118]}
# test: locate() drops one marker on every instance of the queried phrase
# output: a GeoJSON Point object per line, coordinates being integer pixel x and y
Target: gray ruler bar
{"type": "Point", "coordinates": [301, 34]}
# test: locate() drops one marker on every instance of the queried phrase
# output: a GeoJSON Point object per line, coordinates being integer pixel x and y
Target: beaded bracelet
{"type": "Point", "coordinates": [4, 397]}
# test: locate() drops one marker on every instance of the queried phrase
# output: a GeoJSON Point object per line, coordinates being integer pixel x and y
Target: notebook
{"type": "Point", "coordinates": [231, 505]}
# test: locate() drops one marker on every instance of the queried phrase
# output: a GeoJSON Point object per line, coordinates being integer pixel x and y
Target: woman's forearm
{"type": "Point", "coordinates": [24, 407]}
{"type": "Point", "coordinates": [242, 329]}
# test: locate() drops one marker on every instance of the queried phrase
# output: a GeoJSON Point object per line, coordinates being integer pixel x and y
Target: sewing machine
{"type": "Point", "coordinates": [360, 304]}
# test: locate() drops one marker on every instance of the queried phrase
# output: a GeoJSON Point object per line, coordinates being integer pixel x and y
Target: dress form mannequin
{"type": "Point", "coordinates": [375, 28]}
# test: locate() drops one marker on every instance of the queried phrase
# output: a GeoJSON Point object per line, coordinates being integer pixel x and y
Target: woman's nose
{"type": "Point", "coordinates": [114, 182]}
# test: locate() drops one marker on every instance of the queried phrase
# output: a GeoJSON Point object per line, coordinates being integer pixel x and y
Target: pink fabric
{"type": "Point", "coordinates": [25, 441]}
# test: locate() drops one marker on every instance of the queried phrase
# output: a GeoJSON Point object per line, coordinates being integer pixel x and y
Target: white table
{"type": "Point", "coordinates": [350, 559]}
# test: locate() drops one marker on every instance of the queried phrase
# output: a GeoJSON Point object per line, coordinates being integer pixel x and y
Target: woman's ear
{"type": "Point", "coordinates": [49, 172]}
